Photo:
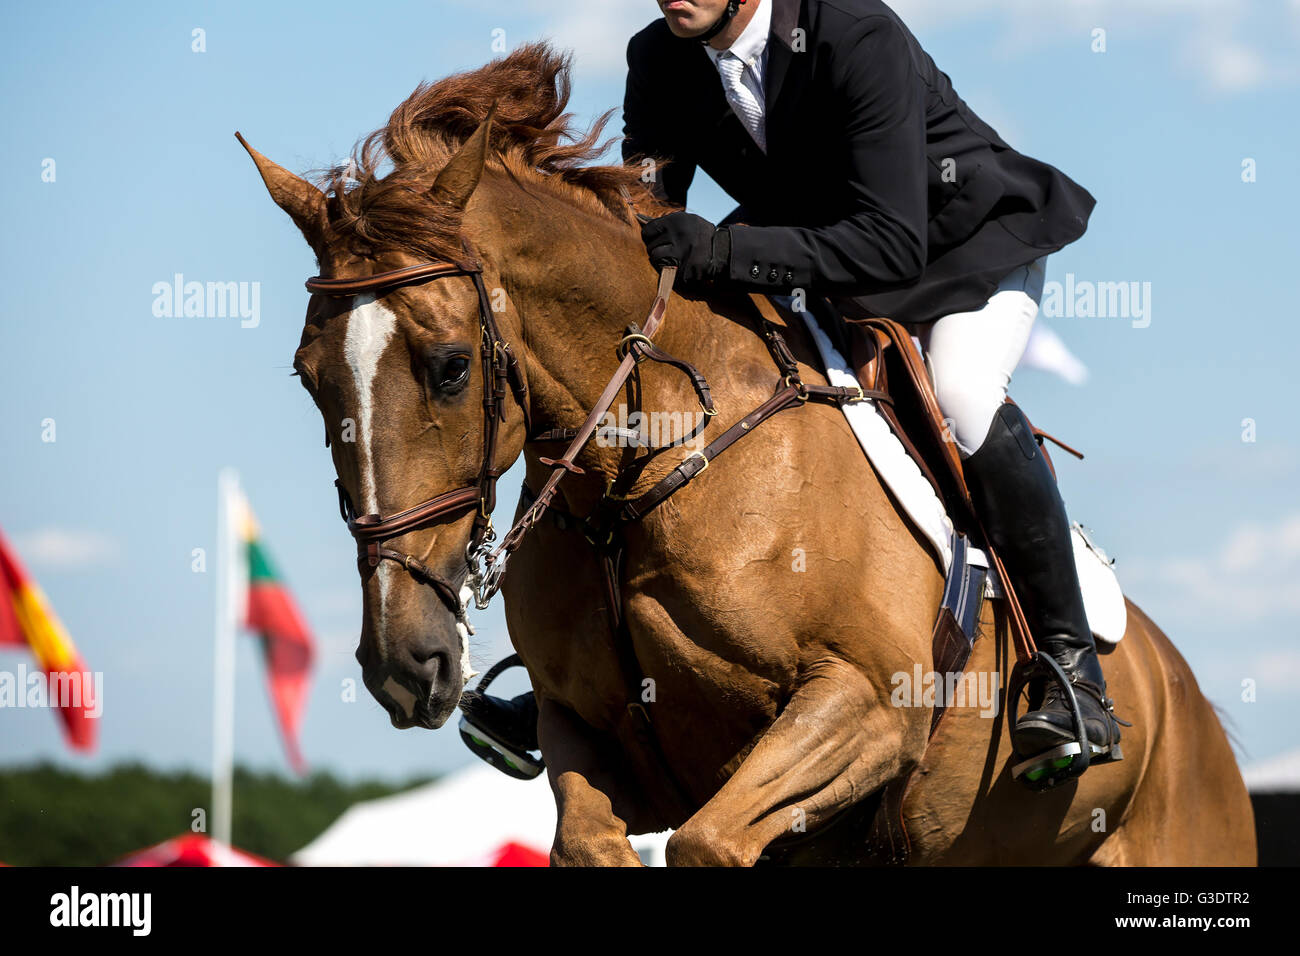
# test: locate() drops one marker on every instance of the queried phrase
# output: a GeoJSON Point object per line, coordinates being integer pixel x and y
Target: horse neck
{"type": "Point", "coordinates": [578, 277]}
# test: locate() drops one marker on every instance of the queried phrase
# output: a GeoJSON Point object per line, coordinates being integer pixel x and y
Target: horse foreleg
{"type": "Point", "coordinates": [837, 741]}
{"type": "Point", "coordinates": [588, 831]}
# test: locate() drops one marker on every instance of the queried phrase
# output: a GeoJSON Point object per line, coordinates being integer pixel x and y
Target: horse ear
{"type": "Point", "coordinates": [460, 177]}
{"type": "Point", "coordinates": [304, 203]}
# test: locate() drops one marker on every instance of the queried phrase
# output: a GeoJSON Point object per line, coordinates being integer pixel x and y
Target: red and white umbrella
{"type": "Point", "coordinates": [192, 849]}
{"type": "Point", "coordinates": [509, 854]}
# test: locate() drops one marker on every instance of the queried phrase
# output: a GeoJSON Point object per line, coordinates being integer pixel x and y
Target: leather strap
{"type": "Point", "coordinates": [564, 464]}
{"type": "Point", "coordinates": [696, 462]}
{"type": "Point", "coordinates": [795, 393]}
{"type": "Point", "coordinates": [390, 280]}
{"type": "Point", "coordinates": [370, 528]}
{"type": "Point", "coordinates": [640, 345]}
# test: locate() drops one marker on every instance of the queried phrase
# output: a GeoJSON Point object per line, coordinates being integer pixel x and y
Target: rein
{"type": "Point", "coordinates": [487, 565]}
{"type": "Point", "coordinates": [485, 579]}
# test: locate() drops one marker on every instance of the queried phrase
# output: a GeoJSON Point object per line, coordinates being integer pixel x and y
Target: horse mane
{"type": "Point", "coordinates": [533, 138]}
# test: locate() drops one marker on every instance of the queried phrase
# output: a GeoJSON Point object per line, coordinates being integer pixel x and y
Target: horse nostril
{"type": "Point", "coordinates": [422, 655]}
{"type": "Point", "coordinates": [425, 661]}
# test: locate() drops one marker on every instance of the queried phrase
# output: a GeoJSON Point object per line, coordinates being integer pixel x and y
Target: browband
{"type": "Point", "coordinates": [391, 280]}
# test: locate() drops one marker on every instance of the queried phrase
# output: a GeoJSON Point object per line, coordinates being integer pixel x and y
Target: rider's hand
{"type": "Point", "coordinates": [699, 250]}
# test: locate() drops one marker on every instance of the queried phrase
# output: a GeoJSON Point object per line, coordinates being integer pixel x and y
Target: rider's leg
{"type": "Point", "coordinates": [972, 357]}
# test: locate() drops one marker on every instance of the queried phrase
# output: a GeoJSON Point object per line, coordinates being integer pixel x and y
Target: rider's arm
{"type": "Point", "coordinates": [880, 243]}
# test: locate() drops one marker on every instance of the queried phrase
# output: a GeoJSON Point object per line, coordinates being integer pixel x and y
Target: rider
{"type": "Point", "coordinates": [863, 177]}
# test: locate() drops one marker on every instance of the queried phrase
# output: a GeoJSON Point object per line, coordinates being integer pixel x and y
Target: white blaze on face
{"type": "Point", "coordinates": [370, 329]}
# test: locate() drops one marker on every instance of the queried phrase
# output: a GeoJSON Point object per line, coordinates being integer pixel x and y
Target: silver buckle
{"type": "Point", "coordinates": [485, 575]}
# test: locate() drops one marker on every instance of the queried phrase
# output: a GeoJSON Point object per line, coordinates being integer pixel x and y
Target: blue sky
{"type": "Point", "coordinates": [149, 182]}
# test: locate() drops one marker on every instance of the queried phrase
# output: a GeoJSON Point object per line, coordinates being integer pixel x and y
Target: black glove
{"type": "Point", "coordinates": [700, 251]}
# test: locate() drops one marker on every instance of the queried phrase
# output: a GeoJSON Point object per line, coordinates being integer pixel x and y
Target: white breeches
{"type": "Point", "coordinates": [972, 355]}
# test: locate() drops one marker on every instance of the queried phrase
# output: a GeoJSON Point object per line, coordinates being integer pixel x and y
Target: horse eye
{"type": "Point", "coordinates": [454, 372]}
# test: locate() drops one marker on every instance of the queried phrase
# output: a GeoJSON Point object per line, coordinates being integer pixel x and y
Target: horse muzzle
{"type": "Point", "coordinates": [417, 689]}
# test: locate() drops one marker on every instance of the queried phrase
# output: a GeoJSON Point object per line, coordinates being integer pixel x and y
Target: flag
{"type": "Point", "coordinates": [27, 620]}
{"type": "Point", "coordinates": [1046, 351]}
{"type": "Point", "coordinates": [267, 608]}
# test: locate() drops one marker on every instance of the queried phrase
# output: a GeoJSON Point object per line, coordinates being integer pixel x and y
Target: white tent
{"type": "Point", "coordinates": [459, 820]}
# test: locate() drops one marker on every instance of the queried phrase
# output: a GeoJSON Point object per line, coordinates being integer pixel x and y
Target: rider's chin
{"type": "Point", "coordinates": [681, 22]}
{"type": "Point", "coordinates": [683, 29]}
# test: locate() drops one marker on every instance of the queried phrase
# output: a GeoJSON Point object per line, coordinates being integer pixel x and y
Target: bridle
{"type": "Point", "coordinates": [500, 369]}
{"type": "Point", "coordinates": [487, 565]}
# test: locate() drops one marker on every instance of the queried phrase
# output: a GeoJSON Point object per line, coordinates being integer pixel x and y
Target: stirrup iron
{"type": "Point", "coordinates": [511, 761]}
{"type": "Point", "coordinates": [1065, 761]}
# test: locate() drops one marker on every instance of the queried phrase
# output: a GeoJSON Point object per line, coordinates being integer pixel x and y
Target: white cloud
{"type": "Point", "coordinates": [1252, 575]}
{"type": "Point", "coordinates": [598, 30]}
{"type": "Point", "coordinates": [1234, 68]}
{"type": "Point", "coordinates": [1277, 669]}
{"type": "Point", "coordinates": [1208, 37]}
{"type": "Point", "coordinates": [64, 549]}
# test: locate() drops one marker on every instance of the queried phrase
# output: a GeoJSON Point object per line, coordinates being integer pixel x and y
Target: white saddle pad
{"type": "Point", "coordinates": [1102, 596]}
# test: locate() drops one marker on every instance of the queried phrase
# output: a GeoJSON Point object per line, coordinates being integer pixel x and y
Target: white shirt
{"type": "Point", "coordinates": [750, 47]}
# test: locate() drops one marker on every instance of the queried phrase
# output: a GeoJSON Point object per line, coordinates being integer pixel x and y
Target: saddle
{"type": "Point", "coordinates": [885, 359]}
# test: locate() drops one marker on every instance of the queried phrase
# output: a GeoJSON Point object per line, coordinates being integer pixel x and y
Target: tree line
{"type": "Point", "coordinates": [52, 816]}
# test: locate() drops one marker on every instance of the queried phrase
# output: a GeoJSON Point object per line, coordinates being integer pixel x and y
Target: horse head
{"type": "Point", "coordinates": [473, 173]}
{"type": "Point", "coordinates": [395, 373]}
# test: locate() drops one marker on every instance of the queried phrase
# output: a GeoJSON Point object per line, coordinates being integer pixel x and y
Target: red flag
{"type": "Point", "coordinates": [26, 618]}
{"type": "Point", "coordinates": [287, 644]}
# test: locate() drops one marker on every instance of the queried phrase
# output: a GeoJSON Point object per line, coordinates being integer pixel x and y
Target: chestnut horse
{"type": "Point", "coordinates": [770, 606]}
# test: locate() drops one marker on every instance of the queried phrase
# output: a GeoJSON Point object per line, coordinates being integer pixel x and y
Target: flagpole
{"type": "Point", "coordinates": [223, 693]}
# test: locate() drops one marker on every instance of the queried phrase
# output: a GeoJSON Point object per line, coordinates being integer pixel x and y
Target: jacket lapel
{"type": "Point", "coordinates": [781, 53]}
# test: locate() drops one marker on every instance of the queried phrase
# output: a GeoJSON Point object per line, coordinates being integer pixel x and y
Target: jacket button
{"type": "Point", "coordinates": [755, 271]}
{"type": "Point", "coordinates": [773, 275]}
{"type": "Point", "coordinates": [789, 278]}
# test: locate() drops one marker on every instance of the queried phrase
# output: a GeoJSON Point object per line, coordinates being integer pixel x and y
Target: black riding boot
{"type": "Point", "coordinates": [1022, 511]}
